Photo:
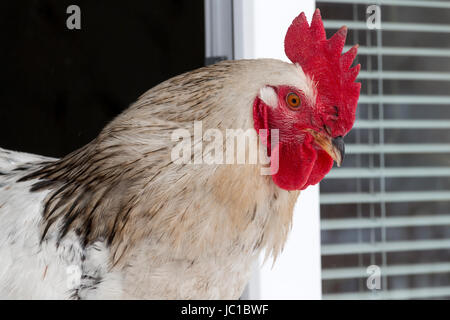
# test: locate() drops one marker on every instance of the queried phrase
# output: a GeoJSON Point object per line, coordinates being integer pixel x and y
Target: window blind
{"type": "Point", "coordinates": [389, 205]}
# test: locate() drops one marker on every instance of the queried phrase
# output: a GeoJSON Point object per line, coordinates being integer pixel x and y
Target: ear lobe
{"type": "Point", "coordinates": [269, 96]}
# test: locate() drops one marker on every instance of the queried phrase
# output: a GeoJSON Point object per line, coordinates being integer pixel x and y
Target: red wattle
{"type": "Point", "coordinates": [322, 166]}
{"type": "Point", "coordinates": [295, 162]}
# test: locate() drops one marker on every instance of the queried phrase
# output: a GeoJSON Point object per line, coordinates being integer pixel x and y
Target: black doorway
{"type": "Point", "coordinates": [61, 86]}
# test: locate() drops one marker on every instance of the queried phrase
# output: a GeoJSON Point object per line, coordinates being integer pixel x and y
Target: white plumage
{"type": "Point", "coordinates": [30, 269]}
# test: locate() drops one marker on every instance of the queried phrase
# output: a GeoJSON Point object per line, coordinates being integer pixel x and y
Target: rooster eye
{"type": "Point", "coordinates": [293, 101]}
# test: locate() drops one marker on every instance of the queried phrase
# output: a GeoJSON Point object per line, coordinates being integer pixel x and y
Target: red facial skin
{"type": "Point", "coordinates": [301, 161]}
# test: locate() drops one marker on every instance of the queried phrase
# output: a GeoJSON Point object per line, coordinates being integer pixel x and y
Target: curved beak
{"type": "Point", "coordinates": [338, 150]}
{"type": "Point", "coordinates": [335, 147]}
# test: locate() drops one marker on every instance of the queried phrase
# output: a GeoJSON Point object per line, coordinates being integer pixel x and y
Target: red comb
{"type": "Point", "coordinates": [323, 61]}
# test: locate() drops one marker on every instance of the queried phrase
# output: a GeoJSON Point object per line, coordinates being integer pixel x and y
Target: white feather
{"type": "Point", "coordinates": [30, 269]}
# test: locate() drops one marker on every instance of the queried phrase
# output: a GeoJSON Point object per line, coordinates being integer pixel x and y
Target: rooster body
{"type": "Point", "coordinates": [118, 218]}
{"type": "Point", "coordinates": [202, 228]}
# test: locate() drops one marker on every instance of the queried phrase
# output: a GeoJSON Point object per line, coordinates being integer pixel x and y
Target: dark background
{"type": "Point", "coordinates": [60, 87]}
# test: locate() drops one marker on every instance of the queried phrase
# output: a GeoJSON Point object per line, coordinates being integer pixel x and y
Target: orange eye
{"type": "Point", "coordinates": [293, 101]}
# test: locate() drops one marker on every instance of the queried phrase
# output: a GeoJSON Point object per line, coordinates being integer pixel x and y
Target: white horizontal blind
{"type": "Point", "coordinates": [389, 205]}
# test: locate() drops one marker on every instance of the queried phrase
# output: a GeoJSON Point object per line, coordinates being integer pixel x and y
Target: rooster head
{"type": "Point", "coordinates": [312, 117]}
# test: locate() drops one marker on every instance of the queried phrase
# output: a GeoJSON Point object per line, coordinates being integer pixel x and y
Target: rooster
{"type": "Point", "coordinates": [118, 219]}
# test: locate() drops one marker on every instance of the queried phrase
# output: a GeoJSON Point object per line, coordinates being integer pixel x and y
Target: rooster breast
{"type": "Point", "coordinates": [232, 228]}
